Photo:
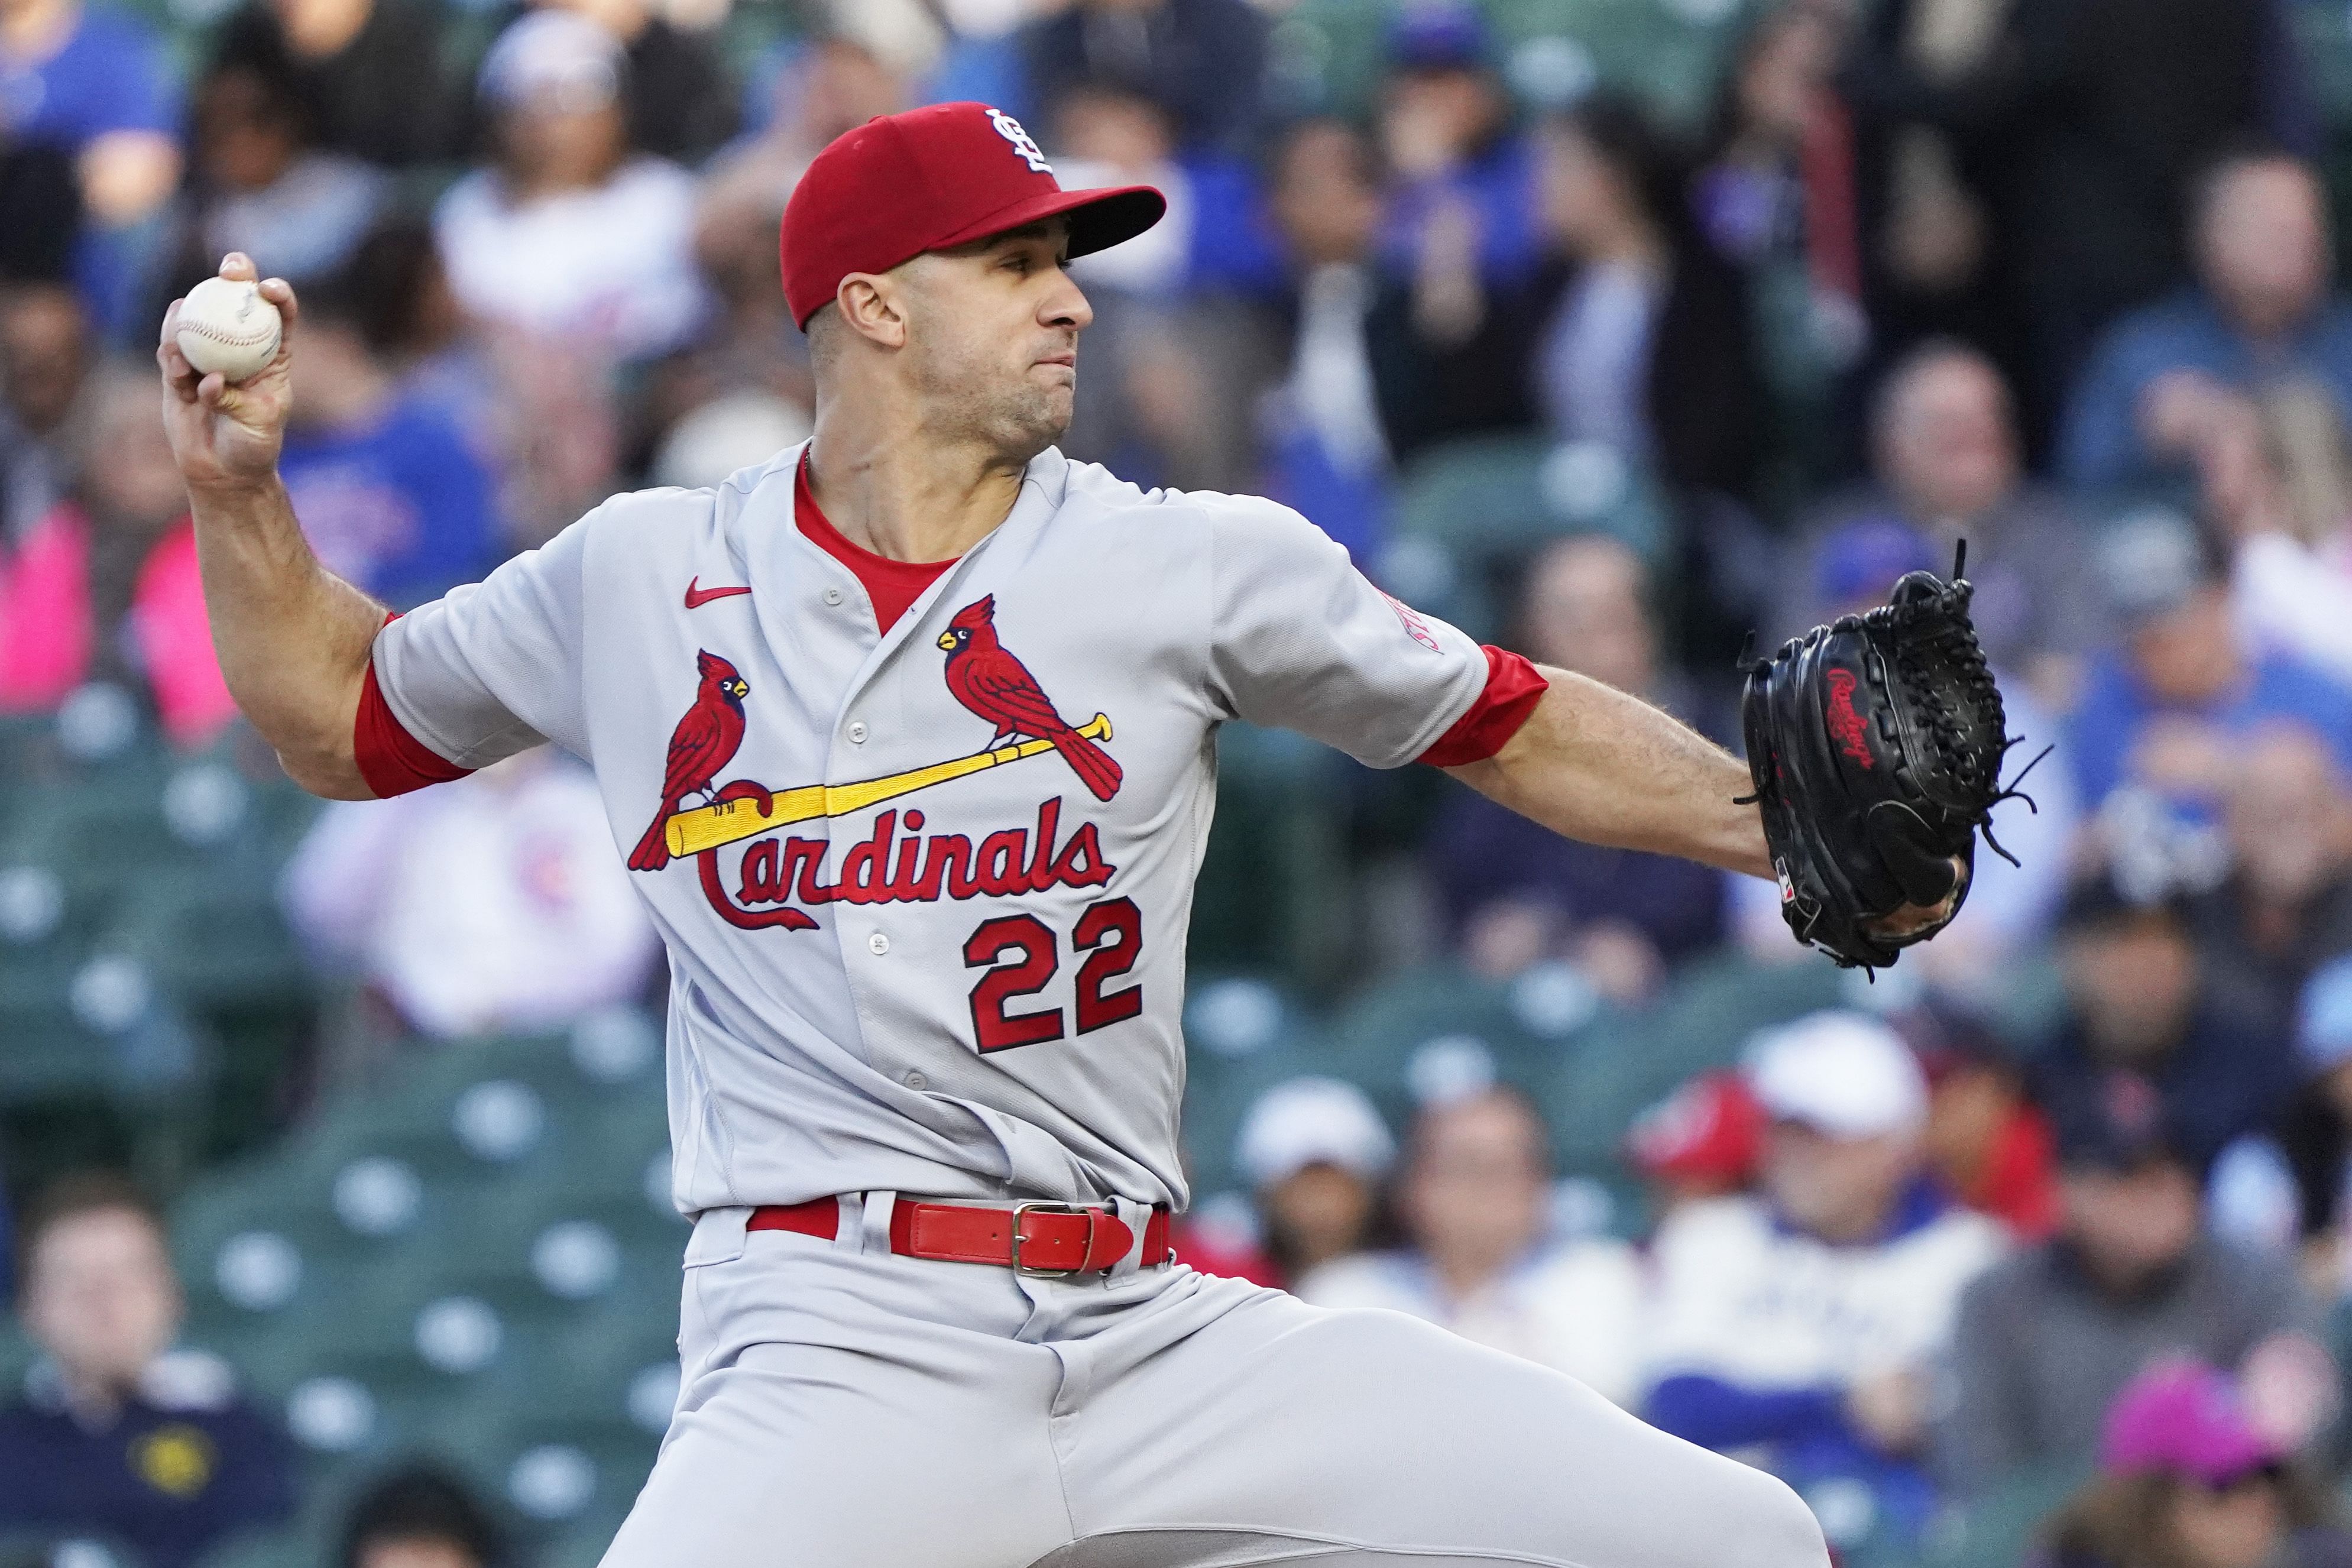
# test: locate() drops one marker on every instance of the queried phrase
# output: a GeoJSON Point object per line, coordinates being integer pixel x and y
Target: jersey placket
{"type": "Point", "coordinates": [867, 740]}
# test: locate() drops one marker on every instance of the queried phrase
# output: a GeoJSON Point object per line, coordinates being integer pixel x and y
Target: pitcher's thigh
{"type": "Point", "coordinates": [1393, 1441]}
{"type": "Point", "coordinates": [808, 1457]}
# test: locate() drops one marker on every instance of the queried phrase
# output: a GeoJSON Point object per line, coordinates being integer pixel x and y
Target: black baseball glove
{"type": "Point", "coordinates": [1877, 745]}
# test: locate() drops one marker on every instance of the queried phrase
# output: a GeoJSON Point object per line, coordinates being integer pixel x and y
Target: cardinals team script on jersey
{"type": "Point", "coordinates": [925, 890]}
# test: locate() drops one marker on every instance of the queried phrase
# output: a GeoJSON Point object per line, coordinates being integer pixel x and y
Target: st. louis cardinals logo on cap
{"type": "Point", "coordinates": [1022, 143]}
{"type": "Point", "coordinates": [933, 179]}
{"type": "Point", "coordinates": [898, 864]}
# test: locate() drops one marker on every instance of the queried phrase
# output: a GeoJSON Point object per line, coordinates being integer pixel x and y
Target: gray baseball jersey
{"type": "Point", "coordinates": [925, 891]}
{"type": "Point", "coordinates": [925, 888]}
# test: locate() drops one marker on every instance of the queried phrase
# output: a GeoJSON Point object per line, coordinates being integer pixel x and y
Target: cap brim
{"type": "Point", "coordinates": [1099, 218]}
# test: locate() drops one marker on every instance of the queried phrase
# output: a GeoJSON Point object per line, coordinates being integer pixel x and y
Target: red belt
{"type": "Point", "coordinates": [1052, 1240]}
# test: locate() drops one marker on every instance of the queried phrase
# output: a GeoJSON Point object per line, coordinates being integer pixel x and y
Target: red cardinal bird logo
{"type": "Point", "coordinates": [987, 678]}
{"type": "Point", "coordinates": [703, 741]}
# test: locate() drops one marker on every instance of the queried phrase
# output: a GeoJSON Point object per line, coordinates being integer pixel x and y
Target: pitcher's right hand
{"type": "Point", "coordinates": [224, 436]}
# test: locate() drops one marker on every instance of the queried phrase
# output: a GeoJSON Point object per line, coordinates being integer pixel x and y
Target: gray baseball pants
{"type": "Point", "coordinates": [845, 1408]}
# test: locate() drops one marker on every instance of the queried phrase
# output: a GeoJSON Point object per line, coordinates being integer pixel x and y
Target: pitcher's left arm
{"type": "Point", "coordinates": [1593, 764]}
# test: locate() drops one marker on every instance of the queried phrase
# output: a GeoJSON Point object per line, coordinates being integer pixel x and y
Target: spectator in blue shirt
{"type": "Point", "coordinates": [2149, 1016]}
{"type": "Point", "coordinates": [1516, 893]}
{"type": "Point", "coordinates": [392, 494]}
{"type": "Point", "coordinates": [1801, 1323]}
{"type": "Point", "coordinates": [118, 1432]}
{"type": "Point", "coordinates": [91, 83]}
{"type": "Point", "coordinates": [1466, 178]}
{"type": "Point", "coordinates": [1326, 450]}
{"type": "Point", "coordinates": [2161, 712]}
{"type": "Point", "coordinates": [1206, 60]}
{"type": "Point", "coordinates": [2262, 310]}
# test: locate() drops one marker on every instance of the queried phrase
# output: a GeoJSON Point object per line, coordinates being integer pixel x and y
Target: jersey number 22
{"type": "Point", "coordinates": [1112, 930]}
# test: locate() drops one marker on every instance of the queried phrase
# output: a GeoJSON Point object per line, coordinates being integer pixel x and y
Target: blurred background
{"type": "Point", "coordinates": [333, 1137]}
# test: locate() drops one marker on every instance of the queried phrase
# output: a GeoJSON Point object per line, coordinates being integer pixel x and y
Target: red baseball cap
{"type": "Point", "coordinates": [1709, 1128]}
{"type": "Point", "coordinates": [930, 179]}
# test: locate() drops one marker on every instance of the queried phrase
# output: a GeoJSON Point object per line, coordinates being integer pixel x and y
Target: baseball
{"type": "Point", "coordinates": [228, 327]}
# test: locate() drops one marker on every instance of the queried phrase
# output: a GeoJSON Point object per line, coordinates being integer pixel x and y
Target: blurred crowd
{"type": "Point", "coordinates": [2053, 278]}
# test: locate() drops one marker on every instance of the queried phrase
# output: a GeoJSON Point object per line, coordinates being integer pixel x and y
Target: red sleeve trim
{"type": "Point", "coordinates": [1514, 686]}
{"type": "Point", "coordinates": [390, 759]}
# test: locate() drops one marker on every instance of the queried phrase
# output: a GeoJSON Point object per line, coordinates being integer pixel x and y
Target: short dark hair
{"type": "Point", "coordinates": [73, 1198]}
{"type": "Point", "coordinates": [2097, 903]}
{"type": "Point", "coordinates": [421, 1503]}
{"type": "Point", "coordinates": [1650, 162]}
{"type": "Point", "coordinates": [381, 288]}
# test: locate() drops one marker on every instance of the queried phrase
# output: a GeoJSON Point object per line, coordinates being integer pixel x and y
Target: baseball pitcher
{"type": "Point", "coordinates": [908, 737]}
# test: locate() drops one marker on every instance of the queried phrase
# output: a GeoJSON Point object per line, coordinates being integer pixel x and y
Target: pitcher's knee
{"type": "Point", "coordinates": [1773, 1529]}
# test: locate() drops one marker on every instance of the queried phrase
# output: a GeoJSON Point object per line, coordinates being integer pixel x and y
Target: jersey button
{"type": "Point", "coordinates": [916, 1080]}
{"type": "Point", "coordinates": [857, 732]}
{"type": "Point", "coordinates": [877, 944]}
{"type": "Point", "coordinates": [833, 596]}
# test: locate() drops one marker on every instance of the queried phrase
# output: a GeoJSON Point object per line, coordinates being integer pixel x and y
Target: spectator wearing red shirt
{"type": "Point", "coordinates": [1987, 1143]}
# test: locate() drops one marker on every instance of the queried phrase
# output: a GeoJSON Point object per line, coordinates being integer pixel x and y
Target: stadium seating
{"type": "Point", "coordinates": [1330, 54]}
{"type": "Point", "coordinates": [1244, 1034]}
{"type": "Point", "coordinates": [1487, 501]}
{"type": "Point", "coordinates": [149, 991]}
{"type": "Point", "coordinates": [1631, 1061]}
{"type": "Point", "coordinates": [1274, 868]}
{"type": "Point", "coordinates": [474, 1258]}
{"type": "Point", "coordinates": [2000, 1530]}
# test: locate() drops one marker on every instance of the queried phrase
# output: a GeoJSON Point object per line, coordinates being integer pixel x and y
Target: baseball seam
{"type": "Point", "coordinates": [226, 339]}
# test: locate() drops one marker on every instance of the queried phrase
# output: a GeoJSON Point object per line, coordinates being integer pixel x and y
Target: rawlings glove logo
{"type": "Point", "coordinates": [1845, 723]}
{"type": "Point", "coordinates": [1869, 858]}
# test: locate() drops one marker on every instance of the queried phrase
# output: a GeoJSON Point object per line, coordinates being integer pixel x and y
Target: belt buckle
{"type": "Point", "coordinates": [1094, 1216]}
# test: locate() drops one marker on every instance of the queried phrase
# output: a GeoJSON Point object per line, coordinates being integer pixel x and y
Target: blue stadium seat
{"type": "Point", "coordinates": [1437, 1031]}
{"type": "Point", "coordinates": [2001, 1529]}
{"type": "Point", "coordinates": [1275, 868]}
{"type": "Point", "coordinates": [1491, 500]}
{"type": "Point", "coordinates": [1628, 1063]}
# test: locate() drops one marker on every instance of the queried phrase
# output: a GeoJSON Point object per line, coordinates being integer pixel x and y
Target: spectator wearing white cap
{"type": "Point", "coordinates": [1475, 1201]}
{"type": "Point", "coordinates": [569, 233]}
{"type": "Point", "coordinates": [1316, 1153]}
{"type": "Point", "coordinates": [1797, 1324]}
{"type": "Point", "coordinates": [493, 904]}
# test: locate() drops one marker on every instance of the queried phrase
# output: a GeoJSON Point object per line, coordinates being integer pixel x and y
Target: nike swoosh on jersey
{"type": "Point", "coordinates": [698, 597]}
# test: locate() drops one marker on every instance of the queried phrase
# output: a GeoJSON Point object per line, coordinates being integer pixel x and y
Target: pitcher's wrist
{"type": "Point", "coordinates": [233, 488]}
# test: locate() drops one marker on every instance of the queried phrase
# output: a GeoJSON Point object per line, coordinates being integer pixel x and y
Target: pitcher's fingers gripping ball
{"type": "Point", "coordinates": [1875, 744]}
{"type": "Point", "coordinates": [225, 326]}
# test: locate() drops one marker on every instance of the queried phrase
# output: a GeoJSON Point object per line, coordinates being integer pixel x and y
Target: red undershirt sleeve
{"type": "Point", "coordinates": [391, 760]}
{"type": "Point", "coordinates": [1514, 686]}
